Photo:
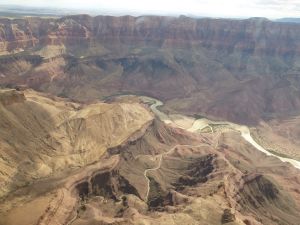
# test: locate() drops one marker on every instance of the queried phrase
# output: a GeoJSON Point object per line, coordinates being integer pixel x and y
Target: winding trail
{"type": "Point", "coordinates": [70, 222]}
{"type": "Point", "coordinates": [160, 156]}
{"type": "Point", "coordinates": [147, 178]}
{"type": "Point", "coordinates": [200, 124]}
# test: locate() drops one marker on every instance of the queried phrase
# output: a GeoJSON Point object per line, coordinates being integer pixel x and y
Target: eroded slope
{"type": "Point", "coordinates": [40, 136]}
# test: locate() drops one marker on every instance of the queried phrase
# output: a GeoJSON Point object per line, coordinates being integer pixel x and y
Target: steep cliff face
{"type": "Point", "coordinates": [250, 36]}
{"type": "Point", "coordinates": [238, 70]}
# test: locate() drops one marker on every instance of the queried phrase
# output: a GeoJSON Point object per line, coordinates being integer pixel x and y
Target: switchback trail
{"type": "Point", "coordinates": [160, 156]}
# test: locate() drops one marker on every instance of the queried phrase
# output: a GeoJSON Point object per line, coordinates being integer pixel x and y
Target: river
{"type": "Point", "coordinates": [202, 123]}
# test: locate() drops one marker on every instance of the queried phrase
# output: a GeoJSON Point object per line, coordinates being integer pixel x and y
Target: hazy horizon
{"type": "Point", "coordinates": [211, 8]}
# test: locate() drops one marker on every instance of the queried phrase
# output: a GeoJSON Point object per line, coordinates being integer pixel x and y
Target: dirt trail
{"type": "Point", "coordinates": [160, 156]}
{"type": "Point", "coordinates": [73, 219]}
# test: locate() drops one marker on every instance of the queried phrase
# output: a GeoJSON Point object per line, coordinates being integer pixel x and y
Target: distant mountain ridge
{"type": "Point", "coordinates": [16, 11]}
{"type": "Point", "coordinates": [288, 20]}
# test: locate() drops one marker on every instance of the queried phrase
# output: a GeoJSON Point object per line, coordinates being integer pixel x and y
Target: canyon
{"type": "Point", "coordinates": [237, 70]}
{"type": "Point", "coordinates": [149, 120]}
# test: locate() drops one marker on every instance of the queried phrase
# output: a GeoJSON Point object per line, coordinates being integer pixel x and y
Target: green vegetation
{"type": "Point", "coordinates": [33, 59]}
{"type": "Point", "coordinates": [198, 116]}
{"type": "Point", "coordinates": [279, 154]}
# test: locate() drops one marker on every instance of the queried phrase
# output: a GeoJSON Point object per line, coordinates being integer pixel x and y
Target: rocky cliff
{"type": "Point", "coordinates": [239, 70]}
{"type": "Point", "coordinates": [252, 36]}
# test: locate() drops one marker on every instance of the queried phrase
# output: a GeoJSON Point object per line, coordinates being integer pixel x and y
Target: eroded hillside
{"type": "Point", "coordinates": [114, 163]}
{"type": "Point", "coordinates": [42, 136]}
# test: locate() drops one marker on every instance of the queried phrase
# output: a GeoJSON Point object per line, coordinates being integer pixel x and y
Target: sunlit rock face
{"type": "Point", "coordinates": [40, 136]}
